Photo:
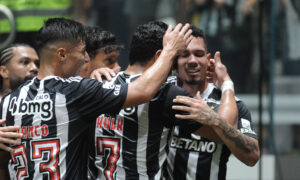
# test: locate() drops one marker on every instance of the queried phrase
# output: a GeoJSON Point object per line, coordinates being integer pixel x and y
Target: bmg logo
{"type": "Point", "coordinates": [41, 106]}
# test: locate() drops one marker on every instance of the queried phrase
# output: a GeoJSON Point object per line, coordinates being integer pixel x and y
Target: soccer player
{"type": "Point", "coordinates": [18, 63]}
{"type": "Point", "coordinates": [196, 157]}
{"type": "Point", "coordinates": [132, 144]}
{"type": "Point", "coordinates": [103, 50]}
{"type": "Point", "coordinates": [55, 109]}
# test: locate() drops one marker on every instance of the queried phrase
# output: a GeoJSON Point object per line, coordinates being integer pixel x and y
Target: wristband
{"type": "Point", "coordinates": [227, 85]}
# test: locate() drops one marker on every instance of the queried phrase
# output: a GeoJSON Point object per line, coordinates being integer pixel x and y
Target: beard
{"type": "Point", "coordinates": [194, 81]}
{"type": "Point", "coordinates": [15, 83]}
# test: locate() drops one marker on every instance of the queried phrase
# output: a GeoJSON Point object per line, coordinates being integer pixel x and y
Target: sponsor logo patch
{"type": "Point", "coordinates": [193, 145]}
{"type": "Point", "coordinates": [41, 106]}
{"type": "Point", "coordinates": [246, 126]}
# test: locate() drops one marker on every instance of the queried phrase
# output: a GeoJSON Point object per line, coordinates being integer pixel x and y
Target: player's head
{"type": "Point", "coordinates": [103, 50]}
{"type": "Point", "coordinates": [61, 43]}
{"type": "Point", "coordinates": [191, 65]}
{"type": "Point", "coordinates": [146, 41]}
{"type": "Point", "coordinates": [18, 63]}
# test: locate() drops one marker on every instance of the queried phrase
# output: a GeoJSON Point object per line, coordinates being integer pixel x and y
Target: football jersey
{"type": "Point", "coordinates": [132, 144]}
{"type": "Point", "coordinates": [54, 115]}
{"type": "Point", "coordinates": [193, 157]}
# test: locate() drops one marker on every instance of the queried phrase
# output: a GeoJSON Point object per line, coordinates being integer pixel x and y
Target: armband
{"type": "Point", "coordinates": [227, 85]}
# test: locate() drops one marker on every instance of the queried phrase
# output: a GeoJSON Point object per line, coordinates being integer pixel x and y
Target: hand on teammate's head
{"type": "Point", "coordinates": [177, 39]}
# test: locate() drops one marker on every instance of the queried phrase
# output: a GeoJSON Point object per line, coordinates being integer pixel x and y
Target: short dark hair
{"type": "Point", "coordinates": [146, 40]}
{"type": "Point", "coordinates": [97, 39]}
{"type": "Point", "coordinates": [197, 32]}
{"type": "Point", "coordinates": [60, 29]}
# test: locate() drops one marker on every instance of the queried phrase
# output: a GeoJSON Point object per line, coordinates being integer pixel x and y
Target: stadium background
{"type": "Point", "coordinates": [259, 42]}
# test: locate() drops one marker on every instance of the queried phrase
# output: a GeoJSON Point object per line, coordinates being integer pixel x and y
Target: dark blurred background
{"type": "Point", "coordinates": [259, 41]}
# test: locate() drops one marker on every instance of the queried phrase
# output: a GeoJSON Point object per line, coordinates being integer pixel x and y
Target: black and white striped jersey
{"type": "Point", "coordinates": [54, 115]}
{"type": "Point", "coordinates": [132, 144]}
{"type": "Point", "coordinates": [193, 157]}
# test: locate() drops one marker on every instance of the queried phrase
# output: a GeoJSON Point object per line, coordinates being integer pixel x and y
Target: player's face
{"type": "Point", "coordinates": [23, 66]}
{"type": "Point", "coordinates": [192, 63]}
{"type": "Point", "coordinates": [76, 57]}
{"type": "Point", "coordinates": [106, 60]}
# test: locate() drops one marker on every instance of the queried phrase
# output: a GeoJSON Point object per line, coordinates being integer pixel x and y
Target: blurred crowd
{"type": "Point", "coordinates": [231, 26]}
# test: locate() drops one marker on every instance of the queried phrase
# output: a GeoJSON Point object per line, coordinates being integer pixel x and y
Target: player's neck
{"type": "Point", "coordinates": [194, 88]}
{"type": "Point", "coordinates": [5, 88]}
{"type": "Point", "coordinates": [137, 68]}
{"type": "Point", "coordinates": [46, 70]}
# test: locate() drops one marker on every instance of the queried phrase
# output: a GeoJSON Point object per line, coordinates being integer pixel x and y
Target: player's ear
{"type": "Point", "coordinates": [61, 54]}
{"type": "Point", "coordinates": [157, 54]}
{"type": "Point", "coordinates": [4, 72]}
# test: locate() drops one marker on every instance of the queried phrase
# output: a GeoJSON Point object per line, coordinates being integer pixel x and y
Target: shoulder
{"type": "Point", "coordinates": [168, 92]}
{"type": "Point", "coordinates": [73, 86]}
{"type": "Point", "coordinates": [76, 79]}
{"type": "Point", "coordinates": [120, 78]}
{"type": "Point", "coordinates": [173, 90]}
{"type": "Point", "coordinates": [242, 108]}
{"type": "Point", "coordinates": [172, 80]}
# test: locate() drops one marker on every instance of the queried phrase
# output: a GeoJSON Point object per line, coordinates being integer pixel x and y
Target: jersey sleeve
{"type": "Point", "coordinates": [95, 98]}
{"type": "Point", "coordinates": [170, 120]}
{"type": "Point", "coordinates": [244, 120]}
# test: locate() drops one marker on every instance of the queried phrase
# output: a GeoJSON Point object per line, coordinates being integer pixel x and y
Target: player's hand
{"type": "Point", "coordinates": [217, 71]}
{"type": "Point", "coordinates": [9, 135]}
{"type": "Point", "coordinates": [103, 72]}
{"type": "Point", "coordinates": [196, 108]}
{"type": "Point", "coordinates": [177, 39]}
{"type": "Point", "coordinates": [117, 69]}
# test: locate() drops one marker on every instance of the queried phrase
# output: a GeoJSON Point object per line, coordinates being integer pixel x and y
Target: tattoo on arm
{"type": "Point", "coordinates": [241, 141]}
{"type": "Point", "coordinates": [208, 116]}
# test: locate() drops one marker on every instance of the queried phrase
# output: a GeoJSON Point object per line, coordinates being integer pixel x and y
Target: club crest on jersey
{"type": "Point", "coordinates": [41, 106]}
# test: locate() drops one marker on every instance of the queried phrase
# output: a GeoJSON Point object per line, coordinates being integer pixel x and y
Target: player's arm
{"type": "Point", "coordinates": [228, 108]}
{"type": "Point", "coordinates": [243, 147]}
{"type": "Point", "coordinates": [9, 135]}
{"type": "Point", "coordinates": [227, 112]}
{"type": "Point", "coordinates": [145, 87]}
{"type": "Point", "coordinates": [4, 158]}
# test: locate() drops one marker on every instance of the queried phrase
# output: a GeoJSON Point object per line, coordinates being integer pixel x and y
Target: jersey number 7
{"type": "Point", "coordinates": [113, 147]}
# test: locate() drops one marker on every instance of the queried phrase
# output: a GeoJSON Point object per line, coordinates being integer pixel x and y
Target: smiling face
{"type": "Point", "coordinates": [192, 63]}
